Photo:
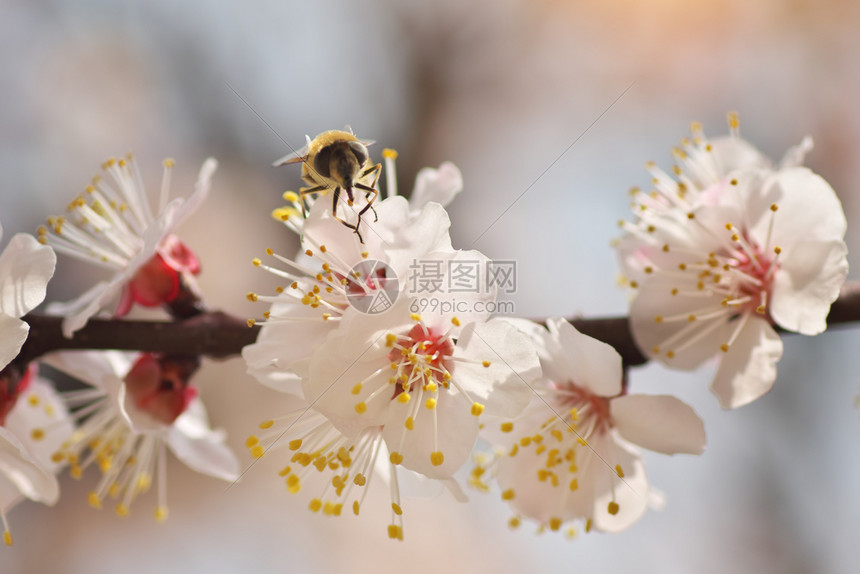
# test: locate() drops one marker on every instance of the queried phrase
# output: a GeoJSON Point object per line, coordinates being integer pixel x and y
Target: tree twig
{"type": "Point", "coordinates": [219, 335]}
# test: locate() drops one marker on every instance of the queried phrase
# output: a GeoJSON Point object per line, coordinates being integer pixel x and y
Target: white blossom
{"type": "Point", "coordinates": [25, 269]}
{"type": "Point", "coordinates": [571, 455]}
{"type": "Point", "coordinates": [137, 408]}
{"type": "Point", "coordinates": [114, 226]}
{"type": "Point", "coordinates": [756, 247]}
{"type": "Point", "coordinates": [33, 429]}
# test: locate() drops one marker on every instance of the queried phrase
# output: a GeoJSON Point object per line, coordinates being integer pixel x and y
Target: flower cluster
{"type": "Point", "coordinates": [134, 406]}
{"type": "Point", "coordinates": [724, 251]}
{"type": "Point", "coordinates": [720, 254]}
{"type": "Point", "coordinates": [385, 388]}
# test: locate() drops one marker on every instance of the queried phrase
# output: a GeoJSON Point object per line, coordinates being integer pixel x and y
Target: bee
{"type": "Point", "coordinates": [338, 161]}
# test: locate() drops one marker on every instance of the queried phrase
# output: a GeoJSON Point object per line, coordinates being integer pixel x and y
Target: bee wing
{"type": "Point", "coordinates": [297, 156]}
{"type": "Point", "coordinates": [348, 128]}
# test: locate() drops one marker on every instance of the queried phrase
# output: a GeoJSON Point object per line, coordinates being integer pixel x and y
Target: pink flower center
{"type": "Point", "coordinates": [159, 386]}
{"type": "Point", "coordinates": [424, 349]}
{"type": "Point", "coordinates": [588, 411]}
{"type": "Point", "coordinates": [11, 389]}
{"type": "Point", "coordinates": [752, 270]}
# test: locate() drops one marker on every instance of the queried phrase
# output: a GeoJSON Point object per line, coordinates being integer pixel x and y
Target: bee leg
{"type": "Point", "coordinates": [374, 168]}
{"type": "Point", "coordinates": [370, 194]}
{"type": "Point", "coordinates": [335, 197]}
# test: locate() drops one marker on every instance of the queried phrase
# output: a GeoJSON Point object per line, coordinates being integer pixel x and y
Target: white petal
{"type": "Point", "coordinates": [633, 494]}
{"type": "Point", "coordinates": [439, 185]}
{"type": "Point", "coordinates": [807, 282]}
{"type": "Point", "coordinates": [351, 355]}
{"type": "Point", "coordinates": [455, 437]}
{"type": "Point", "coordinates": [748, 369]}
{"type": "Point", "coordinates": [101, 369]}
{"type": "Point", "coordinates": [201, 192]}
{"type": "Point", "coordinates": [201, 448]}
{"type": "Point", "coordinates": [553, 365]}
{"type": "Point", "coordinates": [592, 364]}
{"type": "Point", "coordinates": [661, 423]}
{"type": "Point", "coordinates": [503, 387]}
{"type": "Point", "coordinates": [734, 153]}
{"type": "Point", "coordinates": [795, 155]}
{"type": "Point", "coordinates": [656, 299]}
{"type": "Point", "coordinates": [41, 407]}
{"type": "Point", "coordinates": [809, 211]}
{"type": "Point", "coordinates": [13, 333]}
{"type": "Point", "coordinates": [280, 357]}
{"type": "Point", "coordinates": [26, 266]}
{"type": "Point", "coordinates": [19, 467]}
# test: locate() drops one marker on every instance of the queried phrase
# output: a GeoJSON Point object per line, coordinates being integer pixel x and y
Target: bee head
{"type": "Point", "coordinates": [341, 161]}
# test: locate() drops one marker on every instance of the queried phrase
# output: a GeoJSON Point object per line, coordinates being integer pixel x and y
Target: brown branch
{"type": "Point", "coordinates": [214, 334]}
{"type": "Point", "coordinates": [218, 335]}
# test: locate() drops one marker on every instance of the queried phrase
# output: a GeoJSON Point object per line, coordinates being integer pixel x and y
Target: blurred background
{"type": "Point", "coordinates": [506, 89]}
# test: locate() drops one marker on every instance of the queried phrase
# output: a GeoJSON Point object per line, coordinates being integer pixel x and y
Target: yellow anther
{"type": "Point", "coordinates": [37, 434]}
{"type": "Point", "coordinates": [395, 457]}
{"type": "Point", "coordinates": [619, 471]}
{"type": "Point", "coordinates": [251, 441]}
{"type": "Point", "coordinates": [396, 508]}
{"type": "Point", "coordinates": [430, 404]}
{"type": "Point", "coordinates": [257, 451]}
{"type": "Point", "coordinates": [355, 507]}
{"type": "Point", "coordinates": [7, 537]}
{"type": "Point", "coordinates": [581, 441]}
{"type": "Point", "coordinates": [477, 409]}
{"type": "Point", "coordinates": [315, 505]}
{"type": "Point", "coordinates": [395, 532]}
{"type": "Point", "coordinates": [588, 525]}
{"type": "Point", "coordinates": [252, 297]}
{"type": "Point", "coordinates": [437, 458]}
{"type": "Point", "coordinates": [121, 510]}
{"type": "Point", "coordinates": [295, 444]}
{"type": "Point", "coordinates": [390, 339]}
{"type": "Point", "coordinates": [256, 261]}
{"type": "Point", "coordinates": [415, 317]}
{"type": "Point", "coordinates": [508, 494]}
{"type": "Point", "coordinates": [514, 522]}
{"type": "Point", "coordinates": [612, 508]}
{"type": "Point", "coordinates": [670, 354]}
{"type": "Point", "coordinates": [777, 250]}
{"type": "Point", "coordinates": [724, 348]}
{"type": "Point", "coordinates": [389, 153]}
{"type": "Point", "coordinates": [574, 484]}
{"type": "Point", "coordinates": [486, 364]}
{"type": "Point", "coordinates": [251, 322]}
{"type": "Point", "coordinates": [161, 513]}
{"type": "Point", "coordinates": [94, 500]}
{"type": "Point", "coordinates": [361, 407]}
{"type": "Point", "coordinates": [658, 319]}
{"type": "Point", "coordinates": [507, 427]}
{"type": "Point", "coordinates": [554, 524]}
{"type": "Point", "coordinates": [309, 253]}
{"type": "Point", "coordinates": [455, 321]}
{"type": "Point", "coordinates": [267, 424]}
{"type": "Point", "coordinates": [356, 389]}
{"type": "Point", "coordinates": [404, 397]}
{"type": "Point", "coordinates": [574, 414]}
